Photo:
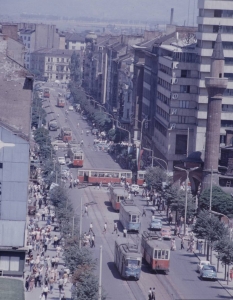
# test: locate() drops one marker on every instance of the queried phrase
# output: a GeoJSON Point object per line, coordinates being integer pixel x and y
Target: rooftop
{"type": "Point", "coordinates": [57, 52]}
{"type": "Point", "coordinates": [74, 37]}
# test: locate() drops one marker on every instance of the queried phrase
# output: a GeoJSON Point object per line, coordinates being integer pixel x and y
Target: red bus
{"type": "Point", "coordinates": [155, 252]}
{"type": "Point", "coordinates": [116, 195]}
{"type": "Point", "coordinates": [104, 176]}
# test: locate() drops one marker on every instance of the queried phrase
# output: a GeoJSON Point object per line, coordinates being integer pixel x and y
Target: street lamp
{"type": "Point", "coordinates": [121, 127]}
{"type": "Point", "coordinates": [186, 192]}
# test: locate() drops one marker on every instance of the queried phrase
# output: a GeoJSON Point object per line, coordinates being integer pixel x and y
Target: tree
{"type": "Point", "coordinates": [224, 247]}
{"type": "Point", "coordinates": [221, 201]}
{"type": "Point", "coordinates": [210, 228]}
{"type": "Point", "coordinates": [75, 69]}
{"type": "Point", "coordinates": [155, 177]}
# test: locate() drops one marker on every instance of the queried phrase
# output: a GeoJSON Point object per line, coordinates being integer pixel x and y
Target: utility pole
{"type": "Point", "coordinates": [80, 226]}
{"type": "Point", "coordinates": [73, 227]}
{"type": "Point", "coordinates": [187, 144]}
{"type": "Point", "coordinates": [211, 190]}
{"type": "Point", "coordinates": [100, 276]}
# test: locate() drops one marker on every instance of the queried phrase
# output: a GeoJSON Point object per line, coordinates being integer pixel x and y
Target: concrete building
{"type": "Point", "coordinates": [38, 36]}
{"type": "Point", "coordinates": [15, 116]}
{"type": "Point", "coordinates": [52, 64]}
{"type": "Point", "coordinates": [216, 84]}
{"type": "Point", "coordinates": [75, 41]}
{"type": "Point", "coordinates": [212, 14]}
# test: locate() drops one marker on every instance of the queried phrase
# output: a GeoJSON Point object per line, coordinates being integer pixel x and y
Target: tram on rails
{"type": "Point", "coordinates": [116, 196]}
{"type": "Point", "coordinates": [66, 134]}
{"type": "Point", "coordinates": [104, 176]}
{"type": "Point", "coordinates": [76, 156]}
{"type": "Point", "coordinates": [128, 258]}
{"type": "Point", "coordinates": [141, 177]}
{"type": "Point", "coordinates": [130, 216]}
{"type": "Point", "coordinates": [155, 252]}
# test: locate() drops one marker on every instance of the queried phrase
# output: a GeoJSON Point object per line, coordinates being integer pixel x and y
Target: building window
{"type": "Point", "coordinates": [182, 119]}
{"type": "Point", "coordinates": [56, 76]}
{"type": "Point", "coordinates": [29, 38]}
{"type": "Point", "coordinates": [185, 73]}
{"type": "Point", "coordinates": [184, 104]}
{"type": "Point", "coordinates": [185, 88]}
{"type": "Point", "coordinates": [9, 263]}
{"type": "Point", "coordinates": [67, 60]}
{"type": "Point", "coordinates": [181, 144]}
{"type": "Point", "coordinates": [57, 59]}
{"type": "Point", "coordinates": [48, 59]}
{"type": "Point", "coordinates": [51, 59]}
{"type": "Point", "coordinates": [62, 60]}
{"type": "Point", "coordinates": [28, 46]}
{"type": "Point", "coordinates": [24, 37]}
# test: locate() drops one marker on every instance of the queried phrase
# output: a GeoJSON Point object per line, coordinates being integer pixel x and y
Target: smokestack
{"type": "Point", "coordinates": [171, 18]}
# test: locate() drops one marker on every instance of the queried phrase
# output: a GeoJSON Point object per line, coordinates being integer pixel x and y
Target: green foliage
{"type": "Point", "coordinates": [42, 138]}
{"type": "Point", "coordinates": [209, 227]}
{"type": "Point", "coordinates": [75, 69]}
{"type": "Point", "coordinates": [178, 204]}
{"type": "Point", "coordinates": [224, 247]}
{"type": "Point", "coordinates": [154, 178]}
{"type": "Point", "coordinates": [221, 201]}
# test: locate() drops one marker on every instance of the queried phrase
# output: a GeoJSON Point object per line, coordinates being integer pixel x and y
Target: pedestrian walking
{"type": "Point", "coordinates": [27, 283]}
{"type": "Point", "coordinates": [144, 212]}
{"type": "Point", "coordinates": [105, 227]}
{"type": "Point", "coordinates": [93, 241]}
{"type": "Point", "coordinates": [153, 294]}
{"type": "Point", "coordinates": [60, 284]}
{"type": "Point", "coordinates": [200, 247]}
{"type": "Point", "coordinates": [91, 229]}
{"type": "Point", "coordinates": [86, 210]}
{"type": "Point", "coordinates": [115, 228]}
{"type": "Point", "coordinates": [182, 244]}
{"type": "Point", "coordinates": [173, 244]}
{"type": "Point", "coordinates": [125, 232]}
{"type": "Point", "coordinates": [45, 291]}
{"type": "Point", "coordinates": [150, 294]}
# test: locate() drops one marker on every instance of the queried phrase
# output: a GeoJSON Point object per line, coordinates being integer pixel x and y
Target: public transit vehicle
{"type": "Point", "coordinates": [116, 195]}
{"type": "Point", "coordinates": [155, 252]}
{"type": "Point", "coordinates": [104, 176]}
{"type": "Point", "coordinates": [76, 156]}
{"type": "Point", "coordinates": [141, 177]}
{"type": "Point", "coordinates": [66, 134]}
{"type": "Point", "coordinates": [46, 93]}
{"type": "Point", "coordinates": [128, 258]}
{"type": "Point", "coordinates": [130, 216]}
{"type": "Point", "coordinates": [60, 101]}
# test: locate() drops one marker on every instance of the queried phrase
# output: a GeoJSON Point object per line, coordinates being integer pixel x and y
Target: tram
{"type": "Point", "coordinates": [128, 258]}
{"type": "Point", "coordinates": [46, 93]}
{"type": "Point", "coordinates": [76, 156]}
{"type": "Point", "coordinates": [130, 216]}
{"type": "Point", "coordinates": [60, 101]}
{"type": "Point", "coordinates": [116, 195]}
{"type": "Point", "coordinates": [66, 134]}
{"type": "Point", "coordinates": [104, 176]}
{"type": "Point", "coordinates": [141, 177]}
{"type": "Point", "coordinates": [155, 252]}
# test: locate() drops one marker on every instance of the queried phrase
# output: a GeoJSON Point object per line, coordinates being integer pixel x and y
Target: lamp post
{"type": "Point", "coordinates": [121, 127]}
{"type": "Point", "coordinates": [186, 192]}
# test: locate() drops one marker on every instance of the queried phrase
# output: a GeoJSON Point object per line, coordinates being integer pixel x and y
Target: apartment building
{"type": "Point", "coordinates": [214, 15]}
{"type": "Point", "coordinates": [52, 64]}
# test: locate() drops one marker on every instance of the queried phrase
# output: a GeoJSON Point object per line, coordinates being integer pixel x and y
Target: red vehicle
{"type": "Point", "coordinates": [76, 156]}
{"type": "Point", "coordinates": [46, 93]}
{"type": "Point", "coordinates": [141, 177]}
{"type": "Point", "coordinates": [116, 195]}
{"type": "Point", "coordinates": [104, 176]}
{"type": "Point", "coordinates": [60, 101]}
{"type": "Point", "coordinates": [66, 134]}
{"type": "Point", "coordinates": [155, 252]}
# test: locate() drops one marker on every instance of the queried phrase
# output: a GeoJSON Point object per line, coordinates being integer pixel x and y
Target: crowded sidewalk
{"type": "Point", "coordinates": [45, 275]}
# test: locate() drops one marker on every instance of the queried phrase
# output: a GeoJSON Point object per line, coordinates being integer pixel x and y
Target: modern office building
{"type": "Point", "coordinates": [214, 15]}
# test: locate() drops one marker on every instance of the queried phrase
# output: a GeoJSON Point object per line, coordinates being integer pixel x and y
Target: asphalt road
{"type": "Point", "coordinates": [182, 282]}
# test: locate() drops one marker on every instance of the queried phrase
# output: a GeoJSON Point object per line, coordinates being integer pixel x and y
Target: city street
{"type": "Point", "coordinates": [182, 282]}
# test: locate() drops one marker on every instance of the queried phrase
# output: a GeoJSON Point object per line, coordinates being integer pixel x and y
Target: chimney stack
{"type": "Point", "coordinates": [171, 18]}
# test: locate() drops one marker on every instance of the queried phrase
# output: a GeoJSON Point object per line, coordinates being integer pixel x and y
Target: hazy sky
{"type": "Point", "coordinates": [127, 9]}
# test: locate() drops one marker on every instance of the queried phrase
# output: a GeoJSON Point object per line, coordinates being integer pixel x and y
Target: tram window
{"type": "Point", "coordinates": [134, 218]}
{"type": "Point", "coordinates": [141, 176]}
{"type": "Point", "coordinates": [93, 174]}
{"type": "Point", "coordinates": [121, 198]}
{"type": "Point", "coordinates": [80, 173]}
{"type": "Point", "coordinates": [159, 254]}
{"type": "Point", "coordinates": [163, 254]}
{"type": "Point", "coordinates": [166, 254]}
{"type": "Point", "coordinates": [138, 219]}
{"type": "Point", "coordinates": [123, 175]}
{"type": "Point", "coordinates": [116, 175]}
{"type": "Point", "coordinates": [101, 175]}
{"type": "Point", "coordinates": [155, 254]}
{"type": "Point", "coordinates": [128, 175]}
{"type": "Point", "coordinates": [132, 262]}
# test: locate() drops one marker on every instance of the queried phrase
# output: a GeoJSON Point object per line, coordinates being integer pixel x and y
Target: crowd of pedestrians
{"type": "Point", "coordinates": [45, 247]}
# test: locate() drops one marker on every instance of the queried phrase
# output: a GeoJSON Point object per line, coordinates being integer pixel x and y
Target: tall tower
{"type": "Point", "coordinates": [215, 85]}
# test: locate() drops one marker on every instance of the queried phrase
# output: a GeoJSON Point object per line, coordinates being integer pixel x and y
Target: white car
{"type": "Point", "coordinates": [61, 160]}
{"type": "Point", "coordinates": [59, 144]}
{"type": "Point", "coordinates": [201, 264]}
{"type": "Point", "coordinates": [134, 188]}
{"type": "Point", "coordinates": [71, 108]}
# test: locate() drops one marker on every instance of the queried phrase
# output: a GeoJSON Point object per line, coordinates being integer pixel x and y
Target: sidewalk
{"type": "Point", "coordinates": [37, 291]}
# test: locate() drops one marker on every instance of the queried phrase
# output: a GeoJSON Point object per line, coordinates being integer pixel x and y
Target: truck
{"type": "Point", "coordinates": [60, 101]}
{"type": "Point", "coordinates": [46, 93]}
{"type": "Point", "coordinates": [66, 134]}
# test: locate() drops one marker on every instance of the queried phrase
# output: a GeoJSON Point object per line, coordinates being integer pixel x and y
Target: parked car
{"type": "Point", "coordinates": [61, 160]}
{"type": "Point", "coordinates": [166, 233]}
{"type": "Point", "coordinates": [71, 108]}
{"type": "Point", "coordinates": [208, 272]}
{"type": "Point", "coordinates": [201, 264]}
{"type": "Point", "coordinates": [59, 144]}
{"type": "Point", "coordinates": [155, 223]}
